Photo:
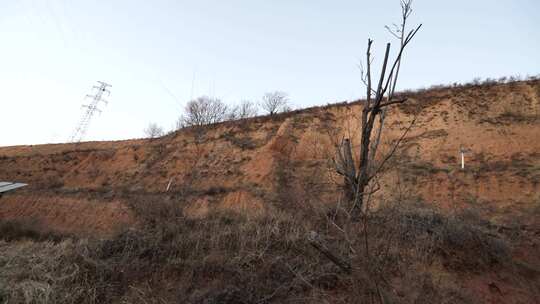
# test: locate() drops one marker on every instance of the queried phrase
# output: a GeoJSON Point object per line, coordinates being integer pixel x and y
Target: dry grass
{"type": "Point", "coordinates": [27, 230]}
{"type": "Point", "coordinates": [229, 258]}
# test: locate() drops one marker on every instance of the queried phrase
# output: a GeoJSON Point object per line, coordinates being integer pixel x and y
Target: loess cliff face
{"type": "Point", "coordinates": [86, 188]}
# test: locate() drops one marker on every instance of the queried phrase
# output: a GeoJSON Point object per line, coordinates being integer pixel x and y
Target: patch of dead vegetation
{"type": "Point", "coordinates": [416, 255]}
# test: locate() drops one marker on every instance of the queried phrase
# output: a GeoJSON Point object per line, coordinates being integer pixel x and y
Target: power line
{"type": "Point", "coordinates": [91, 109]}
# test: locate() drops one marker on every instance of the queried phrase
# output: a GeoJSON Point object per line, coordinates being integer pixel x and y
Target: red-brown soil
{"type": "Point", "coordinates": [86, 188]}
{"type": "Point", "coordinates": [498, 123]}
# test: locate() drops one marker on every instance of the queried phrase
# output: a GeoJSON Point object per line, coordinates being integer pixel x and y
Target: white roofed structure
{"type": "Point", "coordinates": [9, 186]}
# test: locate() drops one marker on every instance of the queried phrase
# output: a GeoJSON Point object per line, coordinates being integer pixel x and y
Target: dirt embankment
{"type": "Point", "coordinates": [87, 188]}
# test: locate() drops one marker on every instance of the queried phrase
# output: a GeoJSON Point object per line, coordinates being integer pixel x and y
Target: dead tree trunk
{"type": "Point", "coordinates": [346, 167]}
{"type": "Point", "coordinates": [358, 176]}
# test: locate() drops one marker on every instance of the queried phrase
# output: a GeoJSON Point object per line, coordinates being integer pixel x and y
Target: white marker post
{"type": "Point", "coordinates": [169, 184]}
{"type": "Point", "coordinates": [462, 160]}
{"type": "Point", "coordinates": [462, 151]}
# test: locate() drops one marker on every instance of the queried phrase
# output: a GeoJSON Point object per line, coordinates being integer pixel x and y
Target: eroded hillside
{"type": "Point", "coordinates": [84, 187]}
{"type": "Point", "coordinates": [220, 214]}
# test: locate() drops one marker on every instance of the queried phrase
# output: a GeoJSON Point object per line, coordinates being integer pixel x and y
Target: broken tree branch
{"type": "Point", "coordinates": [315, 240]}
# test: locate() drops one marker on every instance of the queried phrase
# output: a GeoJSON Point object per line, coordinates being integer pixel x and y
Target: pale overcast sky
{"type": "Point", "coordinates": [158, 54]}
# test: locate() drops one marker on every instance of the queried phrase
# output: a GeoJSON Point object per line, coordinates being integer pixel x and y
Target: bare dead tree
{"type": "Point", "coordinates": [203, 111]}
{"type": "Point", "coordinates": [357, 176]}
{"type": "Point", "coordinates": [275, 102]}
{"type": "Point", "coordinates": [361, 179]}
{"type": "Point", "coordinates": [153, 131]}
{"type": "Point", "coordinates": [245, 109]}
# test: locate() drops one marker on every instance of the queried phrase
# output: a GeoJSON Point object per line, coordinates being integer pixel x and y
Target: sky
{"type": "Point", "coordinates": [157, 55]}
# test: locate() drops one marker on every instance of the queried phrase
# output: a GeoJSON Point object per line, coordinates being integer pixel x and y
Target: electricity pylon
{"type": "Point", "coordinates": [91, 109]}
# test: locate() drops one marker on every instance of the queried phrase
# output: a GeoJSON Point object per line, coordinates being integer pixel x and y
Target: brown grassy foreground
{"type": "Point", "coordinates": [416, 255]}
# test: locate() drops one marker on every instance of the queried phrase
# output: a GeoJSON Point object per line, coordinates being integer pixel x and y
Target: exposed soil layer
{"type": "Point", "coordinates": [255, 165]}
{"type": "Point", "coordinates": [239, 163]}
